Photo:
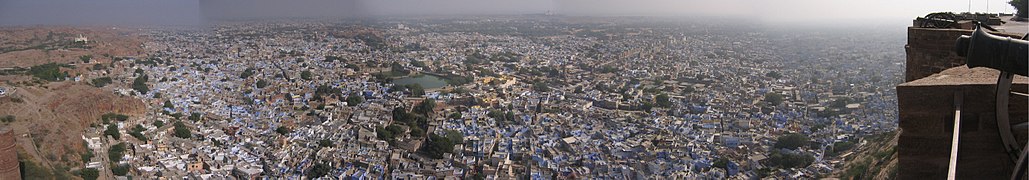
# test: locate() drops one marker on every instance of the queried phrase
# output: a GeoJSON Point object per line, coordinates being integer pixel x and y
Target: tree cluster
{"type": "Point", "coordinates": [282, 130]}
{"type": "Point", "coordinates": [120, 170]}
{"type": "Point", "coordinates": [7, 118]}
{"type": "Point", "coordinates": [113, 116]}
{"type": "Point", "coordinates": [181, 131]}
{"type": "Point", "coordinates": [791, 141]}
{"type": "Point", "coordinates": [48, 71]}
{"type": "Point", "coordinates": [389, 133]}
{"type": "Point", "coordinates": [137, 132]}
{"type": "Point", "coordinates": [112, 130]}
{"type": "Point", "coordinates": [85, 58]}
{"type": "Point", "coordinates": [354, 99]}
{"type": "Point", "coordinates": [1021, 8]}
{"type": "Point", "coordinates": [89, 174]}
{"type": "Point", "coordinates": [262, 83]}
{"type": "Point", "coordinates": [773, 98]}
{"type": "Point", "coordinates": [663, 100]}
{"type": "Point", "coordinates": [306, 75]}
{"type": "Point", "coordinates": [398, 70]}
{"type": "Point", "coordinates": [412, 89]}
{"type": "Point", "coordinates": [437, 145]}
{"type": "Point", "coordinates": [139, 84]}
{"type": "Point", "coordinates": [247, 73]}
{"type": "Point", "coordinates": [116, 151]}
{"type": "Point", "coordinates": [325, 90]}
{"type": "Point", "coordinates": [790, 159]}
{"type": "Point", "coordinates": [101, 82]}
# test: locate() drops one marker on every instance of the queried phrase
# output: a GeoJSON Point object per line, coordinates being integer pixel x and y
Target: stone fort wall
{"type": "Point", "coordinates": [8, 155]}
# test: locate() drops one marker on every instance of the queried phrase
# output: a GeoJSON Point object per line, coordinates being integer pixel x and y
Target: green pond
{"type": "Point", "coordinates": [426, 81]}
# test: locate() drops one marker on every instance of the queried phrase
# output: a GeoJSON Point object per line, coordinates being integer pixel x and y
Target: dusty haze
{"type": "Point", "coordinates": [93, 12]}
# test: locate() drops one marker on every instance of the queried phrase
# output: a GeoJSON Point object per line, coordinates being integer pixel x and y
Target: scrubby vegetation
{"type": "Point", "coordinates": [48, 71]}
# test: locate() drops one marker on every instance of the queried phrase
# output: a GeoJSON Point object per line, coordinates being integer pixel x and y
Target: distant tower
{"type": "Point", "coordinates": [8, 155]}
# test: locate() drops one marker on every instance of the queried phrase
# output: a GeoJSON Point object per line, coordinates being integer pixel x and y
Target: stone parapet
{"type": "Point", "coordinates": [926, 108]}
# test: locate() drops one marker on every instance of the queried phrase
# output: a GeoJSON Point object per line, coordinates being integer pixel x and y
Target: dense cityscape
{"type": "Point", "coordinates": [536, 97]}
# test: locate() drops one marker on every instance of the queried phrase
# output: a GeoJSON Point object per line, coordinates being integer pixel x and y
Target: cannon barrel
{"type": "Point", "coordinates": [983, 49]}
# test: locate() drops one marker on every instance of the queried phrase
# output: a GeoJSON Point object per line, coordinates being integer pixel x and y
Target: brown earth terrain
{"type": "Point", "coordinates": [52, 117]}
{"type": "Point", "coordinates": [27, 46]}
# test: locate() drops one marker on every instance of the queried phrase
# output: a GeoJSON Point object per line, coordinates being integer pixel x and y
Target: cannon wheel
{"type": "Point", "coordinates": [939, 20]}
{"type": "Point", "coordinates": [1017, 153]}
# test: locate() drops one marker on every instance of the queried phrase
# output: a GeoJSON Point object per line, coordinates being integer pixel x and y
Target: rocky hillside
{"type": "Point", "coordinates": [876, 159]}
{"type": "Point", "coordinates": [47, 109]}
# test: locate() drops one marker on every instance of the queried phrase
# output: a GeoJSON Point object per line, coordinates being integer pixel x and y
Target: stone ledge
{"type": "Point", "coordinates": [926, 119]}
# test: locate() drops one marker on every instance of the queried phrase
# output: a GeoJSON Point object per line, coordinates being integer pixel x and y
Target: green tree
{"type": "Point", "coordinates": [401, 115]}
{"type": "Point", "coordinates": [773, 98]}
{"type": "Point", "coordinates": [324, 143]}
{"type": "Point", "coordinates": [181, 131]}
{"type": "Point", "coordinates": [540, 86]}
{"type": "Point", "coordinates": [790, 159]}
{"type": "Point", "coordinates": [159, 123]}
{"type": "Point", "coordinates": [116, 151]}
{"type": "Point", "coordinates": [791, 141]}
{"type": "Point", "coordinates": [7, 118]}
{"type": "Point", "coordinates": [437, 146]}
{"type": "Point", "coordinates": [325, 89]}
{"type": "Point", "coordinates": [139, 84]}
{"type": "Point", "coordinates": [354, 99]}
{"type": "Point", "coordinates": [48, 71]}
{"type": "Point", "coordinates": [99, 67]}
{"type": "Point", "coordinates": [721, 162]}
{"type": "Point", "coordinates": [32, 170]}
{"type": "Point", "coordinates": [120, 170]}
{"type": "Point", "coordinates": [89, 174]}
{"type": "Point", "coordinates": [417, 131]}
{"type": "Point", "coordinates": [413, 89]}
{"type": "Point", "coordinates": [86, 156]}
{"type": "Point", "coordinates": [85, 58]}
{"type": "Point", "coordinates": [383, 134]}
{"type": "Point", "coordinates": [112, 130]}
{"type": "Point", "coordinates": [663, 100]}
{"type": "Point", "coordinates": [353, 66]}
{"type": "Point", "coordinates": [247, 73]}
{"type": "Point", "coordinates": [1020, 7]}
{"type": "Point", "coordinates": [418, 63]}
{"type": "Point", "coordinates": [168, 104]}
{"type": "Point", "coordinates": [195, 116]}
{"type": "Point", "coordinates": [425, 107]}
{"type": "Point", "coordinates": [773, 74]}
{"type": "Point", "coordinates": [455, 115]}
{"type": "Point", "coordinates": [282, 130]}
{"type": "Point", "coordinates": [416, 89]}
{"type": "Point", "coordinates": [262, 83]}
{"type": "Point", "coordinates": [101, 82]}
{"type": "Point", "coordinates": [455, 136]}
{"type": "Point", "coordinates": [398, 70]}
{"type": "Point", "coordinates": [306, 75]}
{"type": "Point", "coordinates": [114, 116]}
{"type": "Point", "coordinates": [319, 169]}
{"type": "Point", "coordinates": [137, 132]}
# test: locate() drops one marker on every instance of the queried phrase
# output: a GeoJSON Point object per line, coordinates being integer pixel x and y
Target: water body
{"type": "Point", "coordinates": [426, 81]}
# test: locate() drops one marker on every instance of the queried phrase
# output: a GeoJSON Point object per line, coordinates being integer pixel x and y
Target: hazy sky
{"type": "Point", "coordinates": [77, 12]}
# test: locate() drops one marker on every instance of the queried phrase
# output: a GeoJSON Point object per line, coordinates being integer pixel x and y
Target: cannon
{"type": "Point", "coordinates": [1010, 56]}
